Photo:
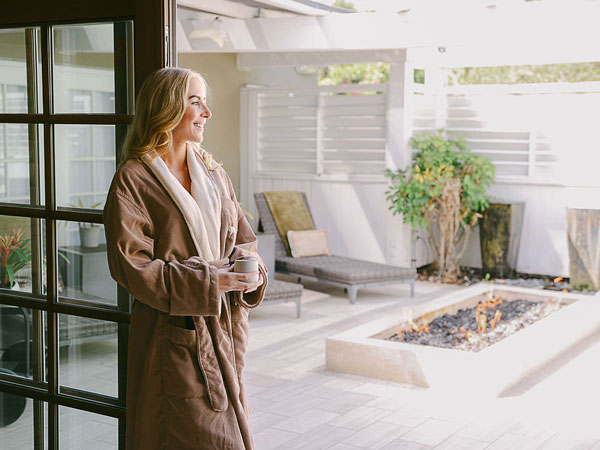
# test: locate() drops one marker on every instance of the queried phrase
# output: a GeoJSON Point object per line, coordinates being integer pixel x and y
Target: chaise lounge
{"type": "Point", "coordinates": [351, 274]}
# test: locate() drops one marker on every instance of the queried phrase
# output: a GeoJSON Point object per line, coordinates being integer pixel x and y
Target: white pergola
{"type": "Point", "coordinates": [447, 34]}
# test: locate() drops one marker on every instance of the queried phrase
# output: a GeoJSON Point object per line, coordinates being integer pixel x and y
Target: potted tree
{"type": "Point", "coordinates": [14, 255]}
{"type": "Point", "coordinates": [445, 191]}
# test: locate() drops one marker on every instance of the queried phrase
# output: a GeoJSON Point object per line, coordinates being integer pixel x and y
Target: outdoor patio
{"type": "Point", "coordinates": [297, 404]}
{"type": "Point", "coordinates": [333, 142]}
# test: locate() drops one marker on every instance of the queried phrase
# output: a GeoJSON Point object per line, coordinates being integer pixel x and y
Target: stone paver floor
{"type": "Point", "coordinates": [297, 404]}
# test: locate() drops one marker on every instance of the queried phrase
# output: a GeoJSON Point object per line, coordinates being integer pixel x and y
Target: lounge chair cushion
{"type": "Point", "coordinates": [343, 270]}
{"type": "Point", "coordinates": [74, 327]}
{"type": "Point", "coordinates": [279, 290]}
{"type": "Point", "coordinates": [308, 243]}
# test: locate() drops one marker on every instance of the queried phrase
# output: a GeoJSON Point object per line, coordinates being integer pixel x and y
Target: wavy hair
{"type": "Point", "coordinates": [160, 106]}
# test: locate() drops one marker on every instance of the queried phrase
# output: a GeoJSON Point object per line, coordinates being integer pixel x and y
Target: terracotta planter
{"type": "Point", "coordinates": [500, 237]}
{"type": "Point", "coordinates": [584, 248]}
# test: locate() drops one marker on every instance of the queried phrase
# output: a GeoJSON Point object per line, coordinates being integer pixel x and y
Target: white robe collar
{"type": "Point", "coordinates": [202, 209]}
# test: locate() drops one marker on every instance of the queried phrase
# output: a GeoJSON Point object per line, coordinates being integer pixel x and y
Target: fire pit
{"type": "Point", "coordinates": [476, 328]}
{"type": "Point", "coordinates": [486, 352]}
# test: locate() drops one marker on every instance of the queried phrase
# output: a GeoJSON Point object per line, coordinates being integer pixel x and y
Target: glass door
{"type": "Point", "coordinates": [67, 84]}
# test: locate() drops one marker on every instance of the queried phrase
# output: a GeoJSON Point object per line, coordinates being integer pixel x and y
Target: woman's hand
{"type": "Point", "coordinates": [236, 281]}
{"type": "Point", "coordinates": [254, 286]}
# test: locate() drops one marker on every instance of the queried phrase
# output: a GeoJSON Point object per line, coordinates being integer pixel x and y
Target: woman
{"type": "Point", "coordinates": [173, 229]}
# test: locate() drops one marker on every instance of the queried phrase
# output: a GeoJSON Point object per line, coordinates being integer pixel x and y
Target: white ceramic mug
{"type": "Point", "coordinates": [245, 266]}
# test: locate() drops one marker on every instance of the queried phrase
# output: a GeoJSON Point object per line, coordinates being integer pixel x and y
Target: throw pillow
{"type": "Point", "coordinates": [308, 243]}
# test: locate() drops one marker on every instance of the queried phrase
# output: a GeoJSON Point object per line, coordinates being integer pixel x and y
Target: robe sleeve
{"type": "Point", "coordinates": [246, 246]}
{"type": "Point", "coordinates": [179, 288]}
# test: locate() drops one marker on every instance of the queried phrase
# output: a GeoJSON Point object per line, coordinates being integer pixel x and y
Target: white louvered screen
{"type": "Point", "coordinates": [287, 131]}
{"type": "Point", "coordinates": [517, 152]}
{"type": "Point", "coordinates": [336, 130]}
{"type": "Point", "coordinates": [354, 132]}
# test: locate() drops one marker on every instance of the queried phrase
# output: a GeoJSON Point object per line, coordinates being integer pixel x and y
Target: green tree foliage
{"type": "Point", "coordinates": [547, 73]}
{"type": "Point", "coordinates": [344, 4]}
{"type": "Point", "coordinates": [363, 73]}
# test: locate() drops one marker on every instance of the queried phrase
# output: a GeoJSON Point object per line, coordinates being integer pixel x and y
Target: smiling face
{"type": "Point", "coordinates": [191, 127]}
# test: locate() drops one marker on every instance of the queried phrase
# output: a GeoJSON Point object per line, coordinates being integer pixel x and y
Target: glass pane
{"type": "Point", "coordinates": [84, 69]}
{"type": "Point", "coordinates": [18, 340]}
{"type": "Point", "coordinates": [21, 163]}
{"type": "Point", "coordinates": [15, 46]}
{"type": "Point", "coordinates": [21, 242]}
{"type": "Point", "coordinates": [16, 422]}
{"type": "Point", "coordinates": [88, 354]}
{"type": "Point", "coordinates": [82, 266]}
{"type": "Point", "coordinates": [82, 429]}
{"type": "Point", "coordinates": [85, 164]}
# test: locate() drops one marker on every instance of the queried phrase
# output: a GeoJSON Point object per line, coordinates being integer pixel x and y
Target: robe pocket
{"type": "Point", "coordinates": [181, 372]}
{"type": "Point", "coordinates": [192, 426]}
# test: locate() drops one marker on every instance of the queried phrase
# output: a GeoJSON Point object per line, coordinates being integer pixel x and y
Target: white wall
{"type": "Point", "coordinates": [222, 137]}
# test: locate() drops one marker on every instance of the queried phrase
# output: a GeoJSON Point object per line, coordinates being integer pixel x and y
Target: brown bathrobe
{"type": "Point", "coordinates": [186, 342]}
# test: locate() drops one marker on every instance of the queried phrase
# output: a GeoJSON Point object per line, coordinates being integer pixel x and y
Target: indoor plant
{"type": "Point", "coordinates": [444, 190]}
{"type": "Point", "coordinates": [14, 255]}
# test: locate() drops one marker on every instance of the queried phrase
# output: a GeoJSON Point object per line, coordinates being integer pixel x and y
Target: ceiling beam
{"type": "Point", "coordinates": [296, 7]}
{"type": "Point", "coordinates": [513, 34]}
{"type": "Point", "coordinates": [221, 7]}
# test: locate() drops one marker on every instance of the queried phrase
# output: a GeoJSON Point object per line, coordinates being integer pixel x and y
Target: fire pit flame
{"type": "Point", "coordinates": [423, 328]}
{"type": "Point", "coordinates": [414, 328]}
{"type": "Point", "coordinates": [483, 324]}
{"type": "Point", "coordinates": [496, 318]}
{"type": "Point", "coordinates": [482, 319]}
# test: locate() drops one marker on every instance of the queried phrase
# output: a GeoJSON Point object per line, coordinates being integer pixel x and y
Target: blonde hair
{"type": "Point", "coordinates": [160, 106]}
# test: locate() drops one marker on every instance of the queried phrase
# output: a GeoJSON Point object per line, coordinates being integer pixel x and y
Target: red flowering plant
{"type": "Point", "coordinates": [14, 255]}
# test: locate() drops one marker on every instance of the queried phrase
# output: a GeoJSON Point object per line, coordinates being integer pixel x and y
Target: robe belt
{"type": "Point", "coordinates": [207, 358]}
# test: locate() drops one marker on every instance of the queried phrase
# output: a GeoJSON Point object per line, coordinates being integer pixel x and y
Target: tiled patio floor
{"type": "Point", "coordinates": [297, 404]}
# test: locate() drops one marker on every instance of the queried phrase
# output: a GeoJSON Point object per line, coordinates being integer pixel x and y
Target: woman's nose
{"type": "Point", "coordinates": [206, 112]}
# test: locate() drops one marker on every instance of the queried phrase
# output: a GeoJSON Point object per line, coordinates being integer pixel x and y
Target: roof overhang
{"type": "Point", "coordinates": [458, 33]}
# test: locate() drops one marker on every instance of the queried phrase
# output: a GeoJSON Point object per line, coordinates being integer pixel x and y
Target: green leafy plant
{"type": "Point", "coordinates": [14, 255]}
{"type": "Point", "coordinates": [443, 191]}
{"type": "Point", "coordinates": [92, 206]}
